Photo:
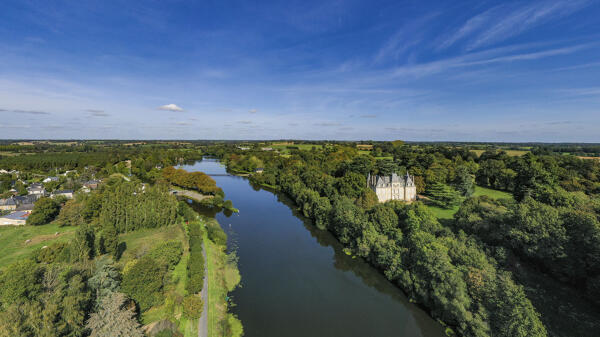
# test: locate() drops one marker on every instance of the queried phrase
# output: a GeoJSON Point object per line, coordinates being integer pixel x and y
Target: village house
{"type": "Point", "coordinates": [62, 193]}
{"type": "Point", "coordinates": [14, 219]}
{"type": "Point", "coordinates": [36, 188]}
{"type": "Point", "coordinates": [8, 204]}
{"type": "Point", "coordinates": [49, 179]}
{"type": "Point", "coordinates": [259, 170]}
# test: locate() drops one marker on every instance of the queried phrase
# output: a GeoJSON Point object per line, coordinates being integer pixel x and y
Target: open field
{"type": "Point", "coordinates": [513, 153]}
{"type": "Point", "coordinates": [588, 158]}
{"type": "Point", "coordinates": [283, 147]}
{"type": "Point", "coordinates": [12, 240]}
{"type": "Point", "coordinates": [491, 193]}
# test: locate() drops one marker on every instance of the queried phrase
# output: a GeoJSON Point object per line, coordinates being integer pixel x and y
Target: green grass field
{"type": "Point", "coordinates": [282, 148]}
{"type": "Point", "coordinates": [443, 213]}
{"type": "Point", "coordinates": [491, 193]}
{"type": "Point", "coordinates": [12, 240]}
{"type": "Point", "coordinates": [513, 153]}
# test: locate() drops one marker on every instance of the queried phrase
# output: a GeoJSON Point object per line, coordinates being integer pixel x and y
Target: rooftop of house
{"type": "Point", "coordinates": [19, 215]}
{"type": "Point", "coordinates": [63, 191]}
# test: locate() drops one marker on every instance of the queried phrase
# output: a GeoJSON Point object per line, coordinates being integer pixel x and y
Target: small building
{"type": "Point", "coordinates": [8, 204]}
{"type": "Point", "coordinates": [266, 148]}
{"type": "Point", "coordinates": [14, 219]}
{"type": "Point", "coordinates": [91, 184]}
{"type": "Point", "coordinates": [62, 193]}
{"type": "Point", "coordinates": [259, 170]}
{"type": "Point", "coordinates": [49, 179]}
{"type": "Point", "coordinates": [36, 188]}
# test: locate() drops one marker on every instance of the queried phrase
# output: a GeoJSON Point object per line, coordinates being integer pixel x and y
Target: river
{"type": "Point", "coordinates": [297, 281]}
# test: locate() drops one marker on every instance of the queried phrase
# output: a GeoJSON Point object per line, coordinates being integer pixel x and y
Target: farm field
{"type": "Point", "coordinates": [514, 153]}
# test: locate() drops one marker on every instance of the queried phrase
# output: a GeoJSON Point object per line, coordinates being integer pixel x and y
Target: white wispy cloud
{"type": "Point", "coordinates": [170, 107]}
{"type": "Point", "coordinates": [523, 18]}
{"type": "Point", "coordinates": [472, 25]}
{"type": "Point", "coordinates": [480, 58]}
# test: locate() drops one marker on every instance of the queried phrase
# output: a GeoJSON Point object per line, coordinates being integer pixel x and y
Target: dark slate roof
{"type": "Point", "coordinates": [63, 191]}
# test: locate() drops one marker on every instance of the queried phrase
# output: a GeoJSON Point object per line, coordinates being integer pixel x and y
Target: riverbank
{"type": "Point", "coordinates": [223, 277]}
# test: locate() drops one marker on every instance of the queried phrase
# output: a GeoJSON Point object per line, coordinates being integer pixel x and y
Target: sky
{"type": "Point", "coordinates": [501, 71]}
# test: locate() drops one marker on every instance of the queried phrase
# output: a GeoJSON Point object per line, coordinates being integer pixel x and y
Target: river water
{"type": "Point", "coordinates": [297, 281]}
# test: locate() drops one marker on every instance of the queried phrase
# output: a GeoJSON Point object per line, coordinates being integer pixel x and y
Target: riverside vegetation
{"type": "Point", "coordinates": [479, 271]}
{"type": "Point", "coordinates": [132, 257]}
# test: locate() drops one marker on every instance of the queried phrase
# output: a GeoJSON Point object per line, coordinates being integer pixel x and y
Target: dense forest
{"type": "Point", "coordinates": [460, 268]}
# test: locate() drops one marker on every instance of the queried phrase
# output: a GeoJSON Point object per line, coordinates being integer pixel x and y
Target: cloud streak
{"type": "Point", "coordinates": [170, 107]}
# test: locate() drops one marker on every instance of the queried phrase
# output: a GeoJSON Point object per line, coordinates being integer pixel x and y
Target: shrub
{"type": "Point", "coordinates": [195, 267]}
{"type": "Point", "coordinates": [143, 282]}
{"type": "Point", "coordinates": [192, 306]}
{"type": "Point", "coordinates": [167, 253]}
{"type": "Point", "coordinates": [216, 233]}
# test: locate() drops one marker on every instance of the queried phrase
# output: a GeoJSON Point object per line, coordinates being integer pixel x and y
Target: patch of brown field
{"type": "Point", "coordinates": [588, 158]}
{"type": "Point", "coordinates": [364, 147]}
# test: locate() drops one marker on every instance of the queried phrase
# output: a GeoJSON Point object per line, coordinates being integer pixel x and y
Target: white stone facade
{"type": "Point", "coordinates": [393, 187]}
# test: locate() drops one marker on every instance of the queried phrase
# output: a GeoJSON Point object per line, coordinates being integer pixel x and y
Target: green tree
{"type": "Point", "coordinates": [44, 211]}
{"type": "Point", "coordinates": [115, 318]}
{"type": "Point", "coordinates": [443, 195]}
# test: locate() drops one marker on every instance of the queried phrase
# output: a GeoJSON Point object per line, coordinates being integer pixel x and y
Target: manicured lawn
{"type": "Point", "coordinates": [491, 193]}
{"type": "Point", "coordinates": [12, 240]}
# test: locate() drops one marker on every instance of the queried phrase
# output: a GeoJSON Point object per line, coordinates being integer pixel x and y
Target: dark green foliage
{"type": "Point", "coordinates": [167, 253]}
{"type": "Point", "coordinates": [185, 211]}
{"type": "Point", "coordinates": [20, 281]}
{"type": "Point", "coordinates": [464, 182]}
{"type": "Point", "coordinates": [109, 240]}
{"type": "Point", "coordinates": [56, 252]}
{"type": "Point", "coordinates": [126, 206]}
{"type": "Point", "coordinates": [44, 211]}
{"type": "Point", "coordinates": [564, 241]}
{"type": "Point", "coordinates": [143, 282]}
{"type": "Point", "coordinates": [82, 248]}
{"type": "Point", "coordinates": [58, 309]}
{"type": "Point", "coordinates": [443, 195]}
{"type": "Point", "coordinates": [195, 267]}
{"type": "Point", "coordinates": [216, 233]}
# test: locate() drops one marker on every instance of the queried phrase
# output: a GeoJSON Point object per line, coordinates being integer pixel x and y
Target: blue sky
{"type": "Point", "coordinates": [412, 70]}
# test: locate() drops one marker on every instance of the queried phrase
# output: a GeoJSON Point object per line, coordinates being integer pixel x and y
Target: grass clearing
{"type": "Point", "coordinates": [141, 241]}
{"type": "Point", "coordinates": [443, 213]}
{"type": "Point", "coordinates": [12, 240]}
{"type": "Point", "coordinates": [496, 194]}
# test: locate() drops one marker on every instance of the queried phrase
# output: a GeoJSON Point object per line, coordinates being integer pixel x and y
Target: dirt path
{"type": "Point", "coordinates": [190, 194]}
{"type": "Point", "coordinates": [203, 321]}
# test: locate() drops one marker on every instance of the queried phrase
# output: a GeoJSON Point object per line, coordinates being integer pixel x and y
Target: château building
{"type": "Point", "coordinates": [393, 187]}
